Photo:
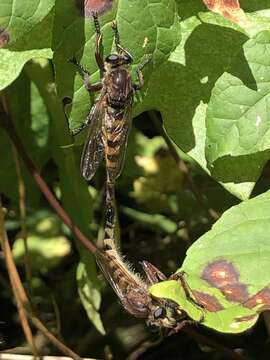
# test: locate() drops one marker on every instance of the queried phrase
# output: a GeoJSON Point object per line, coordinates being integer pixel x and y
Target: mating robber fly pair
{"type": "Point", "coordinates": [109, 122]}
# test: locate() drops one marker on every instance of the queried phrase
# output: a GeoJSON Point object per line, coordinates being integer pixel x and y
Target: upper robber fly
{"type": "Point", "coordinates": [110, 118]}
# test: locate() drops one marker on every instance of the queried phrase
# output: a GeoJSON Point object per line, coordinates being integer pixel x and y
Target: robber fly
{"type": "Point", "coordinates": [132, 291]}
{"type": "Point", "coordinates": [109, 120]}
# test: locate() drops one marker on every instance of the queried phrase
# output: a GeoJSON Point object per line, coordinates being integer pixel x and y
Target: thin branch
{"type": "Point", "coordinates": [182, 166]}
{"type": "Point", "coordinates": [12, 133]}
{"type": "Point", "coordinates": [21, 191]}
{"type": "Point", "coordinates": [20, 294]}
{"type": "Point", "coordinates": [21, 311]}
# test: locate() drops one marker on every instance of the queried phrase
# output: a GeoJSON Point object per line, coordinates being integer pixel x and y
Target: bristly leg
{"type": "Point", "coordinates": [81, 127]}
{"type": "Point", "coordinates": [180, 276]}
{"type": "Point", "coordinates": [85, 75]}
{"type": "Point", "coordinates": [98, 46]}
{"type": "Point", "coordinates": [144, 62]}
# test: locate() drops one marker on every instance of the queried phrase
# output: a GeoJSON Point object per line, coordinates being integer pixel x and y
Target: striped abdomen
{"type": "Point", "coordinates": [115, 133]}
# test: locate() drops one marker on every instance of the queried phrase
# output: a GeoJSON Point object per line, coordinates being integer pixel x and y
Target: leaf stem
{"type": "Point", "coordinates": [21, 191]}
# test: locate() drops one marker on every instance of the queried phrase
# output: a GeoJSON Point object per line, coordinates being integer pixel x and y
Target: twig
{"type": "Point", "coordinates": [21, 311]}
{"type": "Point", "coordinates": [20, 294]}
{"type": "Point", "coordinates": [182, 166]}
{"type": "Point", "coordinates": [12, 133]}
{"type": "Point", "coordinates": [21, 191]}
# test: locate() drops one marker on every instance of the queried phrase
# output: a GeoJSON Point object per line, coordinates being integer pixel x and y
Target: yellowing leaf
{"type": "Point", "coordinates": [230, 9]}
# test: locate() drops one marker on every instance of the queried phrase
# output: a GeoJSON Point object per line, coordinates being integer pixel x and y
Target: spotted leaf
{"type": "Point", "coordinates": [227, 271]}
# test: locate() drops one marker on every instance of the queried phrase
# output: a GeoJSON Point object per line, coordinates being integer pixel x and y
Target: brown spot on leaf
{"type": "Point", "coordinates": [235, 292]}
{"type": "Point", "coordinates": [4, 37]}
{"type": "Point", "coordinates": [86, 7]}
{"type": "Point", "coordinates": [261, 299]}
{"type": "Point", "coordinates": [209, 302]}
{"type": "Point", "coordinates": [220, 273]}
{"type": "Point", "coordinates": [245, 318]}
{"type": "Point", "coordinates": [229, 9]}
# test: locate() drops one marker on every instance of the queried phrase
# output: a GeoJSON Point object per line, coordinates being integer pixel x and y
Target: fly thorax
{"type": "Point", "coordinates": [119, 88]}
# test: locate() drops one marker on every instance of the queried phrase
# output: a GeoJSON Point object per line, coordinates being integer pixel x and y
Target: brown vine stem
{"type": "Point", "coordinates": [12, 133]}
{"type": "Point", "coordinates": [23, 303]}
{"type": "Point", "coordinates": [21, 191]}
{"type": "Point", "coordinates": [182, 166]}
{"type": "Point", "coordinates": [21, 311]}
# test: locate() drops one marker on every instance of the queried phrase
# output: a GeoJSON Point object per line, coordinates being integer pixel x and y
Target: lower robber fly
{"type": "Point", "coordinates": [132, 291]}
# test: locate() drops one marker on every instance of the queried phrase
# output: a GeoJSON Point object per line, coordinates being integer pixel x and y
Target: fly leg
{"type": "Point", "coordinates": [145, 61]}
{"type": "Point", "coordinates": [98, 45]}
{"type": "Point", "coordinates": [153, 274]}
{"type": "Point", "coordinates": [188, 291]}
{"type": "Point", "coordinates": [85, 75]}
{"type": "Point", "coordinates": [119, 47]}
{"type": "Point", "coordinates": [81, 127]}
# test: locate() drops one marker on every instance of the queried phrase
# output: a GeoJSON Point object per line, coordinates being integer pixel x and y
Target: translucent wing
{"type": "Point", "coordinates": [108, 272]}
{"type": "Point", "coordinates": [117, 146]}
{"type": "Point", "coordinates": [93, 151]}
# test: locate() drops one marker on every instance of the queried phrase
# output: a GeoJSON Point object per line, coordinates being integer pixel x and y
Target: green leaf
{"type": "Point", "coordinates": [227, 270]}
{"type": "Point", "coordinates": [182, 87]}
{"type": "Point", "coordinates": [44, 252]}
{"type": "Point", "coordinates": [46, 246]}
{"type": "Point", "coordinates": [238, 117]}
{"type": "Point", "coordinates": [90, 297]}
{"type": "Point", "coordinates": [154, 222]}
{"type": "Point", "coordinates": [35, 44]}
{"type": "Point", "coordinates": [146, 27]}
{"type": "Point", "coordinates": [21, 109]}
{"type": "Point", "coordinates": [18, 18]}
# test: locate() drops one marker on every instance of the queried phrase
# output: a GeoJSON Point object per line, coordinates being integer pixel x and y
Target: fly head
{"type": "Point", "coordinates": [116, 60]}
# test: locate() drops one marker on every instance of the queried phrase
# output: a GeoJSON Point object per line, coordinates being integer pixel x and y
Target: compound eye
{"type": "Point", "coordinates": [127, 59]}
{"type": "Point", "coordinates": [112, 58]}
{"type": "Point", "coordinates": [159, 313]}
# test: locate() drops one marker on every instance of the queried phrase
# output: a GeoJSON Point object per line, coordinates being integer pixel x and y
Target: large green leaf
{"type": "Point", "coordinates": [227, 270]}
{"type": "Point", "coordinates": [18, 18]}
{"type": "Point", "coordinates": [90, 297]}
{"type": "Point", "coordinates": [181, 89]}
{"type": "Point", "coordinates": [238, 116]}
{"type": "Point", "coordinates": [35, 44]}
{"type": "Point", "coordinates": [20, 95]}
{"type": "Point", "coordinates": [146, 27]}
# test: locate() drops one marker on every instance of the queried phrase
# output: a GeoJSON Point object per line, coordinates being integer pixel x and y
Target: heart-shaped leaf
{"type": "Point", "coordinates": [227, 270]}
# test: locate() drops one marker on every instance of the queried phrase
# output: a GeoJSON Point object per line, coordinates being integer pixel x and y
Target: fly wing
{"type": "Point", "coordinates": [107, 271]}
{"type": "Point", "coordinates": [93, 151]}
{"type": "Point", "coordinates": [118, 145]}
